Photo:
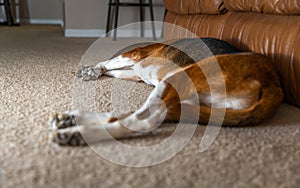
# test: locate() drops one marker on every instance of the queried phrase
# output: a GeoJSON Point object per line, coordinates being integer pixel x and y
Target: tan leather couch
{"type": "Point", "coordinates": [270, 27]}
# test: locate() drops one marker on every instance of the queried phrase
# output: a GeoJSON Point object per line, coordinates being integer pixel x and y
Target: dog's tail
{"type": "Point", "coordinates": [270, 99]}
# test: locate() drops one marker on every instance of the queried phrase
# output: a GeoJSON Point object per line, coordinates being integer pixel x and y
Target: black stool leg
{"type": "Point", "coordinates": [108, 18]}
{"type": "Point", "coordinates": [116, 19]}
{"type": "Point", "coordinates": [142, 18]}
{"type": "Point", "coordinates": [152, 19]}
{"type": "Point", "coordinates": [162, 29]}
{"type": "Point", "coordinates": [10, 20]}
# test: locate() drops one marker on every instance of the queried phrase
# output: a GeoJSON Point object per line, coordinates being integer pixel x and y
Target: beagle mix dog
{"type": "Point", "coordinates": [185, 73]}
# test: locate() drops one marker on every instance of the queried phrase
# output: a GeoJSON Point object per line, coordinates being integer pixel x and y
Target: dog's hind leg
{"type": "Point", "coordinates": [147, 118]}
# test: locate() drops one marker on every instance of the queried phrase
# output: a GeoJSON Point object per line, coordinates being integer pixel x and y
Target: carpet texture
{"type": "Point", "coordinates": [35, 81]}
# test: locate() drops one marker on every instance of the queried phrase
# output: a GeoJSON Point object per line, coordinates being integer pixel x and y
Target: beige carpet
{"type": "Point", "coordinates": [35, 80]}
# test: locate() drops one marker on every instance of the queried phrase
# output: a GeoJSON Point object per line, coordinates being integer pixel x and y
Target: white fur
{"type": "Point", "coordinates": [222, 101]}
{"type": "Point", "coordinates": [118, 62]}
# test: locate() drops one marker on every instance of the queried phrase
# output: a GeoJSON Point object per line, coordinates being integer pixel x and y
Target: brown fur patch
{"type": "Point", "coordinates": [241, 72]}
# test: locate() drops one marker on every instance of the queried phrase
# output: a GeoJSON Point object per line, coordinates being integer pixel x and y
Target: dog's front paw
{"type": "Point", "coordinates": [61, 121]}
{"type": "Point", "coordinates": [89, 72]}
{"type": "Point", "coordinates": [68, 137]}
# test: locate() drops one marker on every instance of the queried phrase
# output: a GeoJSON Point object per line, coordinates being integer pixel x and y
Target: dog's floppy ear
{"type": "Point", "coordinates": [136, 54]}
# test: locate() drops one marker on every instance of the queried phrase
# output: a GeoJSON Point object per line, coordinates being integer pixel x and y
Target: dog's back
{"type": "Point", "coordinates": [198, 48]}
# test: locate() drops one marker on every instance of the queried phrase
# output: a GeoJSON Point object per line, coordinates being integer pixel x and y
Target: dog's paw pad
{"type": "Point", "coordinates": [68, 138]}
{"type": "Point", "coordinates": [88, 73]}
{"type": "Point", "coordinates": [61, 121]}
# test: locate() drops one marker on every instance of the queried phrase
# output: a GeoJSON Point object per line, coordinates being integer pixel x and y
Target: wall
{"type": "Point", "coordinates": [88, 17]}
{"type": "Point", "coordinates": [41, 11]}
{"type": "Point", "coordinates": [51, 10]}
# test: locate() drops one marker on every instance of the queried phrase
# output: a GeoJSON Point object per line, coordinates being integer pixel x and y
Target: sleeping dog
{"type": "Point", "coordinates": [185, 73]}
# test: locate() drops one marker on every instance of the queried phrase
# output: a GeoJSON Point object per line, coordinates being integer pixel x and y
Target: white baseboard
{"type": "Point", "coordinates": [38, 21]}
{"type": "Point", "coordinates": [101, 32]}
{"type": "Point", "coordinates": [84, 32]}
{"type": "Point", "coordinates": [46, 21]}
{"type": "Point", "coordinates": [4, 20]}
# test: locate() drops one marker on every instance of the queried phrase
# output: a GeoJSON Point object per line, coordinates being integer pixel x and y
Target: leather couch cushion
{"type": "Point", "coordinates": [201, 25]}
{"type": "Point", "coordinates": [276, 36]}
{"type": "Point", "coordinates": [287, 7]}
{"type": "Point", "coordinates": [195, 6]}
